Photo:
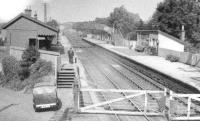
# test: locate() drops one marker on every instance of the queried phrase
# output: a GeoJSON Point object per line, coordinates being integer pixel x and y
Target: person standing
{"type": "Point", "coordinates": [71, 55]}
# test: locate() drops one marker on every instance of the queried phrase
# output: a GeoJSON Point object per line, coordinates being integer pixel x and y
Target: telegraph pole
{"type": "Point", "coordinates": [45, 12]}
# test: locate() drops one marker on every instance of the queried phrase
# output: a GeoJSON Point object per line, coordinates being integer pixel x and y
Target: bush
{"type": "Point", "coordinates": [29, 83]}
{"type": "Point", "coordinates": [2, 78]}
{"type": "Point", "coordinates": [139, 48]}
{"type": "Point", "coordinates": [1, 42]}
{"type": "Point", "coordinates": [10, 67]}
{"type": "Point", "coordinates": [24, 70]}
{"type": "Point", "coordinates": [30, 55]}
{"type": "Point", "coordinates": [41, 68]}
{"type": "Point", "coordinates": [172, 58]}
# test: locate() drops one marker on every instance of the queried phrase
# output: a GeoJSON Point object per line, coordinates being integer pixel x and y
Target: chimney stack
{"type": "Point", "coordinates": [28, 11]}
{"type": "Point", "coordinates": [182, 33]}
{"type": "Point", "coordinates": [35, 15]}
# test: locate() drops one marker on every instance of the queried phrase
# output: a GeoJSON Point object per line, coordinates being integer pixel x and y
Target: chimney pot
{"type": "Point", "coordinates": [35, 15]}
{"type": "Point", "coordinates": [28, 11]}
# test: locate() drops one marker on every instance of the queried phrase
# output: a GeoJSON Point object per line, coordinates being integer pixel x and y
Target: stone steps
{"type": "Point", "coordinates": [66, 77]}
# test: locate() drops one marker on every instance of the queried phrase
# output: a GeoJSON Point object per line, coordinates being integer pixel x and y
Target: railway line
{"type": "Point", "coordinates": [133, 74]}
{"type": "Point", "coordinates": [128, 105]}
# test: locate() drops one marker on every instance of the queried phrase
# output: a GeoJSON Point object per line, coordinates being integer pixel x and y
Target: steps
{"type": "Point", "coordinates": [66, 77]}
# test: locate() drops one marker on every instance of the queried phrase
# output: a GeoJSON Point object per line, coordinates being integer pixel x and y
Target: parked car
{"type": "Point", "coordinates": [45, 96]}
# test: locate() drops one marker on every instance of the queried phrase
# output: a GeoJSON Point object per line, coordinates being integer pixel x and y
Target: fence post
{"type": "Point", "coordinates": [188, 107]}
{"type": "Point", "coordinates": [56, 69]}
{"type": "Point", "coordinates": [170, 98]}
{"type": "Point", "coordinates": [165, 96]}
{"type": "Point", "coordinates": [76, 91]}
{"type": "Point", "coordinates": [145, 103]}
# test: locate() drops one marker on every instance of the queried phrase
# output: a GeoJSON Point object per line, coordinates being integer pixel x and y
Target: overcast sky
{"type": "Point", "coordinates": [76, 10]}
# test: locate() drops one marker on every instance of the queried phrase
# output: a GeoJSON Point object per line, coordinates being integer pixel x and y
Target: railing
{"type": "Point", "coordinates": [192, 106]}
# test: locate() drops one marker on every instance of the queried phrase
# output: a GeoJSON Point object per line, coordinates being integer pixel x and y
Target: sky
{"type": "Point", "coordinates": [76, 10]}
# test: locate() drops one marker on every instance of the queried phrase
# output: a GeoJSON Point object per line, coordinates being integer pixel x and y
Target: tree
{"type": "Point", "coordinates": [53, 23]}
{"type": "Point", "coordinates": [123, 20]}
{"type": "Point", "coordinates": [29, 57]}
{"type": "Point", "coordinates": [101, 21]}
{"type": "Point", "coordinates": [170, 15]}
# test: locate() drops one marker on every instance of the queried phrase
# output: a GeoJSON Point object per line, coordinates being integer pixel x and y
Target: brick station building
{"type": "Point", "coordinates": [25, 30]}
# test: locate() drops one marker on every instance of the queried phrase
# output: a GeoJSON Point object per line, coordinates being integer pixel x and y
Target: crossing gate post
{"type": "Point", "coordinates": [145, 102]}
{"type": "Point", "coordinates": [76, 91]}
{"type": "Point", "coordinates": [165, 113]}
{"type": "Point", "coordinates": [188, 107]}
{"type": "Point", "coordinates": [169, 111]}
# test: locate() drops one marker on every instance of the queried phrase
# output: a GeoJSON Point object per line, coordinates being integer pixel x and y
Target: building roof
{"type": "Point", "coordinates": [22, 15]}
{"type": "Point", "coordinates": [1, 25]}
{"type": "Point", "coordinates": [163, 33]}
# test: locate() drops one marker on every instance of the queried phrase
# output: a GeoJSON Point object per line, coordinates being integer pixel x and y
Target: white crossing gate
{"type": "Point", "coordinates": [184, 106]}
{"type": "Point", "coordinates": [117, 101]}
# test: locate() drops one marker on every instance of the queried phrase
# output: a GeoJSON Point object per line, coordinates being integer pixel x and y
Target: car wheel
{"type": "Point", "coordinates": [57, 105]}
{"type": "Point", "coordinates": [36, 109]}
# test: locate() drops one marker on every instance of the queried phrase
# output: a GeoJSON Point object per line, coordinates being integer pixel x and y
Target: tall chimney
{"type": "Point", "coordinates": [45, 12]}
{"type": "Point", "coordinates": [182, 33]}
{"type": "Point", "coordinates": [28, 11]}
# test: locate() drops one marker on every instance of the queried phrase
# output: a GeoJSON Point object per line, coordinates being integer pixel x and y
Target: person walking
{"type": "Point", "coordinates": [71, 55]}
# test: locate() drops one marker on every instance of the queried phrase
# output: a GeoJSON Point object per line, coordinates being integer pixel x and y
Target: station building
{"type": "Point", "coordinates": [25, 30]}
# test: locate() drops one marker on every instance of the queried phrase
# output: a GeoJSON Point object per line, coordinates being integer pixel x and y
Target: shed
{"type": "Point", "coordinates": [159, 39]}
{"type": "Point", "coordinates": [24, 31]}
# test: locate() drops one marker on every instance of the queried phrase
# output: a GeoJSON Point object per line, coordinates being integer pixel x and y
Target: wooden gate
{"type": "Point", "coordinates": [184, 106]}
{"type": "Point", "coordinates": [124, 102]}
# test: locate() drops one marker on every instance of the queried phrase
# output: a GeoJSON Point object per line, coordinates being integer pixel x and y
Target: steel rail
{"type": "Point", "coordinates": [129, 67]}
{"type": "Point", "coordinates": [117, 117]}
{"type": "Point", "coordinates": [160, 87]}
{"type": "Point", "coordinates": [118, 87]}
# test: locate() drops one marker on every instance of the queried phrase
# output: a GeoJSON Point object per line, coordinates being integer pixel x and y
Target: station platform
{"type": "Point", "coordinates": [187, 74]}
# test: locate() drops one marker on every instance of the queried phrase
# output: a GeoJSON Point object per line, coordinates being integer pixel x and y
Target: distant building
{"type": "Point", "coordinates": [25, 30]}
{"type": "Point", "coordinates": [159, 39]}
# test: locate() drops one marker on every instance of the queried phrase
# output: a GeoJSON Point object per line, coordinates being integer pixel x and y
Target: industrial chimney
{"type": "Point", "coordinates": [28, 11]}
{"type": "Point", "coordinates": [182, 33]}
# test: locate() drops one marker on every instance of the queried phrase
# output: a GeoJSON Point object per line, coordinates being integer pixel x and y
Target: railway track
{"type": "Point", "coordinates": [108, 76]}
{"type": "Point", "coordinates": [146, 79]}
{"type": "Point", "coordinates": [136, 74]}
{"type": "Point", "coordinates": [142, 84]}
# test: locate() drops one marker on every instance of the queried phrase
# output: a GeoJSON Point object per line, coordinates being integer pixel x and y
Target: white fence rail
{"type": "Point", "coordinates": [186, 111]}
{"type": "Point", "coordinates": [97, 107]}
